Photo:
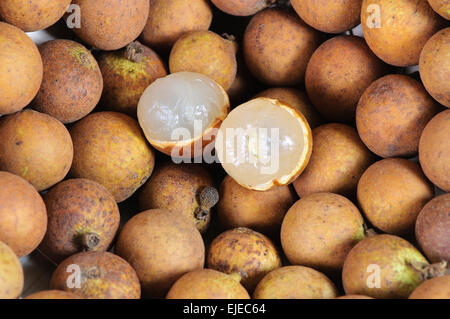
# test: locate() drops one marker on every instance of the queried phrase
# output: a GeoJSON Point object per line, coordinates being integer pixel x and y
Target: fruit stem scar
{"type": "Point", "coordinates": [134, 52]}
{"type": "Point", "coordinates": [89, 241]}
{"type": "Point", "coordinates": [208, 197]}
{"type": "Point", "coordinates": [428, 271]}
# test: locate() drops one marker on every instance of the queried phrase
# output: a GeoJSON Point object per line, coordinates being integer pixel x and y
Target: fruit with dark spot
{"type": "Point", "coordinates": [320, 230]}
{"type": "Point", "coordinates": [392, 114]}
{"type": "Point", "coordinates": [20, 69]}
{"type": "Point", "coordinates": [82, 216]}
{"type": "Point", "coordinates": [207, 284]}
{"type": "Point", "coordinates": [338, 73]}
{"type": "Point", "coordinates": [277, 47]}
{"type": "Point", "coordinates": [102, 276]}
{"type": "Point", "coordinates": [295, 282]}
{"type": "Point", "coordinates": [338, 160]}
{"type": "Point", "coordinates": [185, 189]}
{"type": "Point", "coordinates": [433, 229]}
{"type": "Point", "coordinates": [111, 24]}
{"type": "Point", "coordinates": [243, 253]}
{"type": "Point", "coordinates": [110, 149]}
{"type": "Point", "coordinates": [126, 74]}
{"type": "Point", "coordinates": [72, 83]}
{"type": "Point", "coordinates": [442, 7]}
{"type": "Point", "coordinates": [53, 294]}
{"type": "Point", "coordinates": [32, 15]}
{"type": "Point", "coordinates": [262, 211]}
{"type": "Point", "coordinates": [242, 7]}
{"type": "Point", "coordinates": [36, 147]}
{"type": "Point", "coordinates": [435, 288]}
{"type": "Point", "coordinates": [162, 246]}
{"type": "Point", "coordinates": [11, 273]}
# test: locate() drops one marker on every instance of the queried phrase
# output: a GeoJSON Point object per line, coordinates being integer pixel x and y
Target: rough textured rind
{"type": "Point", "coordinates": [20, 69]}
{"type": "Point", "coordinates": [103, 276]}
{"type": "Point", "coordinates": [53, 294]}
{"type": "Point", "coordinates": [35, 146]}
{"type": "Point", "coordinates": [162, 246]}
{"type": "Point", "coordinates": [242, 7]}
{"type": "Point", "coordinates": [207, 284]}
{"type": "Point", "coordinates": [11, 274]}
{"type": "Point", "coordinates": [110, 149]}
{"type": "Point", "coordinates": [442, 7]}
{"type": "Point", "coordinates": [435, 288]}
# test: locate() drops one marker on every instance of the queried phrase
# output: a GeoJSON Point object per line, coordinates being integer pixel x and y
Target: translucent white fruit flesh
{"type": "Point", "coordinates": [184, 100]}
{"type": "Point", "coordinates": [264, 143]}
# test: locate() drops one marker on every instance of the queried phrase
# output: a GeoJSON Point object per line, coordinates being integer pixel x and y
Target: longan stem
{"type": "Point", "coordinates": [208, 197]}
{"type": "Point", "coordinates": [428, 271]}
{"type": "Point", "coordinates": [89, 241]}
{"type": "Point", "coordinates": [134, 52]}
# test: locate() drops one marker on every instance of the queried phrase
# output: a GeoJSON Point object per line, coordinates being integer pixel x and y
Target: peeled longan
{"type": "Point", "coordinates": [277, 47]}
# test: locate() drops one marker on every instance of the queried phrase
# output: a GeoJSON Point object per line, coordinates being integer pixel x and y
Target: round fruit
{"type": "Point", "coordinates": [97, 275]}
{"type": "Point", "coordinates": [278, 46]}
{"type": "Point", "coordinates": [111, 24]}
{"type": "Point", "coordinates": [72, 83]}
{"type": "Point", "coordinates": [11, 273]}
{"type": "Point", "coordinates": [33, 15]}
{"type": "Point", "coordinates": [442, 7]}
{"type": "Point", "coordinates": [261, 211]}
{"type": "Point", "coordinates": [337, 75]}
{"type": "Point", "coordinates": [383, 266]}
{"type": "Point", "coordinates": [111, 150]}
{"type": "Point", "coordinates": [433, 229]}
{"type": "Point", "coordinates": [338, 160]}
{"type": "Point", "coordinates": [354, 297]}
{"type": "Point", "coordinates": [242, 7]}
{"type": "Point", "coordinates": [181, 112]}
{"type": "Point", "coordinates": [245, 85]}
{"type": "Point", "coordinates": [435, 288]}
{"type": "Point", "coordinates": [53, 294]}
{"type": "Point", "coordinates": [273, 144]}
{"type": "Point", "coordinates": [319, 231]}
{"type": "Point", "coordinates": [434, 66]}
{"type": "Point", "coordinates": [20, 69]}
{"type": "Point", "coordinates": [207, 284]}
{"type": "Point", "coordinates": [23, 217]}
{"type": "Point", "coordinates": [391, 194]}
{"type": "Point", "coordinates": [162, 246]}
{"type": "Point", "coordinates": [36, 147]}
{"type": "Point", "coordinates": [397, 31]}
{"type": "Point", "coordinates": [82, 215]}
{"type": "Point", "coordinates": [298, 100]}
{"type": "Point", "coordinates": [206, 53]}
{"type": "Point", "coordinates": [170, 19]}
{"type": "Point", "coordinates": [434, 150]}
{"type": "Point", "coordinates": [329, 16]}
{"type": "Point", "coordinates": [295, 282]}
{"type": "Point", "coordinates": [243, 253]}
{"type": "Point", "coordinates": [392, 114]}
{"type": "Point", "coordinates": [126, 74]}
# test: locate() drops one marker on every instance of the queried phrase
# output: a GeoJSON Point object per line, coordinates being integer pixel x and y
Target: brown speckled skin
{"type": "Point", "coordinates": [260, 211]}
{"type": "Point", "coordinates": [207, 284]}
{"type": "Point", "coordinates": [337, 75]}
{"type": "Point", "coordinates": [242, 7]}
{"type": "Point", "coordinates": [243, 252]}
{"type": "Point", "coordinates": [354, 297]}
{"type": "Point", "coordinates": [20, 69]}
{"type": "Point", "coordinates": [435, 288]}
{"type": "Point", "coordinates": [103, 276]}
{"type": "Point", "coordinates": [277, 47]}
{"type": "Point", "coordinates": [442, 7]}
{"type": "Point", "coordinates": [320, 230]}
{"type": "Point", "coordinates": [392, 114]}
{"type": "Point", "coordinates": [161, 246]}
{"type": "Point", "coordinates": [206, 53]}
{"type": "Point", "coordinates": [122, 91]}
{"type": "Point", "coordinates": [76, 207]}
{"type": "Point", "coordinates": [394, 256]}
{"type": "Point", "coordinates": [176, 187]}
{"type": "Point", "coordinates": [53, 294]}
{"type": "Point", "coordinates": [23, 217]}
{"type": "Point", "coordinates": [391, 194]}
{"type": "Point", "coordinates": [433, 229]}
{"type": "Point", "coordinates": [32, 15]}
{"type": "Point", "coordinates": [329, 16]}
{"type": "Point", "coordinates": [111, 150]}
{"type": "Point", "coordinates": [338, 160]}
{"type": "Point", "coordinates": [406, 25]}
{"type": "Point", "coordinates": [434, 150]}
{"type": "Point", "coordinates": [36, 147]}
{"type": "Point", "coordinates": [72, 83]}
{"type": "Point", "coordinates": [434, 66]}
{"type": "Point", "coordinates": [295, 282]}
{"type": "Point", "coordinates": [111, 24]}
{"type": "Point", "coordinates": [11, 274]}
{"type": "Point", "coordinates": [170, 19]}
{"type": "Point", "coordinates": [296, 98]}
